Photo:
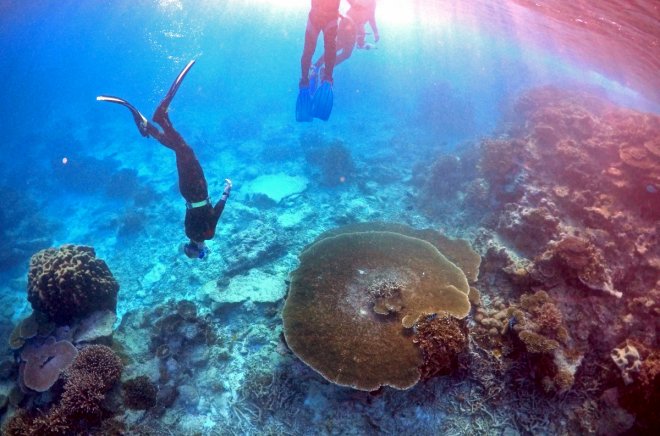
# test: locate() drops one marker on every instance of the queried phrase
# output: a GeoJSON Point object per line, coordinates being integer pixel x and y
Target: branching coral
{"type": "Point", "coordinates": [139, 393]}
{"type": "Point", "coordinates": [70, 282]}
{"type": "Point", "coordinates": [101, 361]}
{"type": "Point", "coordinates": [441, 339]}
{"type": "Point", "coordinates": [93, 373]}
{"type": "Point", "coordinates": [538, 324]}
{"type": "Point", "coordinates": [353, 298]}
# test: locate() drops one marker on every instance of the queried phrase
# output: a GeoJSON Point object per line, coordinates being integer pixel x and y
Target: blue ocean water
{"type": "Point", "coordinates": [75, 170]}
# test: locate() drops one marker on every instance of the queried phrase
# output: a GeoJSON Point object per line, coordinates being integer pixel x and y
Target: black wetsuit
{"type": "Point", "coordinates": [200, 221]}
{"type": "Point", "coordinates": [201, 216]}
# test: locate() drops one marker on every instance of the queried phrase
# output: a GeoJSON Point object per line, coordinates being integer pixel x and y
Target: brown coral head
{"type": "Point", "coordinates": [333, 315]}
{"type": "Point", "coordinates": [70, 282]}
{"type": "Point", "coordinates": [44, 363]}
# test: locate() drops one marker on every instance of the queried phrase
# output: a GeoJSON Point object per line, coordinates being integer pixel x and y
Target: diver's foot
{"type": "Point", "coordinates": [325, 76]}
{"type": "Point", "coordinates": [160, 116]}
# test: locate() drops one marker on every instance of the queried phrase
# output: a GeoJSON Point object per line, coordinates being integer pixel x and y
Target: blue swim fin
{"type": "Point", "coordinates": [322, 101]}
{"type": "Point", "coordinates": [304, 106]}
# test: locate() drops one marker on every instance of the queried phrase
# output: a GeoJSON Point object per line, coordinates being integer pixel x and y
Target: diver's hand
{"type": "Point", "coordinates": [376, 37]}
{"type": "Point", "coordinates": [227, 190]}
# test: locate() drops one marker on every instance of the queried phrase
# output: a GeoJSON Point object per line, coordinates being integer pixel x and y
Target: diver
{"type": "Point", "coordinates": [346, 39]}
{"type": "Point", "coordinates": [351, 32]}
{"type": "Point", "coordinates": [201, 216]}
{"type": "Point", "coordinates": [363, 12]}
{"type": "Point", "coordinates": [312, 102]}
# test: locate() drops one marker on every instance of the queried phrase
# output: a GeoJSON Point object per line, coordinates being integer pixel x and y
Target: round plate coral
{"type": "Point", "coordinates": [354, 298]}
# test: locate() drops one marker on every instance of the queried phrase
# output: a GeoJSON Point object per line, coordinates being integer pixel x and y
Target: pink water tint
{"type": "Point", "coordinates": [619, 39]}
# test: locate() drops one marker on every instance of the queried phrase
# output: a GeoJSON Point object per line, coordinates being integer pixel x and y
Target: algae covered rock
{"type": "Point", "coordinates": [355, 298]}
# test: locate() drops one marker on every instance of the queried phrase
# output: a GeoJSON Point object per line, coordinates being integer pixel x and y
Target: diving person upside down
{"type": "Point", "coordinates": [201, 215]}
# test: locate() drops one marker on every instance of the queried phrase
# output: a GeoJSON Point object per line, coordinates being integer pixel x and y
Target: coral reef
{"type": "Point", "coordinates": [378, 283]}
{"type": "Point", "coordinates": [100, 361]}
{"type": "Point", "coordinates": [577, 258]}
{"type": "Point", "coordinates": [458, 251]}
{"type": "Point", "coordinates": [34, 324]}
{"type": "Point", "coordinates": [448, 180]}
{"type": "Point", "coordinates": [577, 201]}
{"type": "Point", "coordinates": [640, 371]}
{"type": "Point", "coordinates": [95, 370]}
{"type": "Point", "coordinates": [44, 363]}
{"type": "Point", "coordinates": [571, 161]}
{"type": "Point", "coordinates": [441, 338]}
{"type": "Point", "coordinates": [139, 393]}
{"type": "Point", "coordinates": [96, 327]}
{"type": "Point", "coordinates": [177, 331]}
{"type": "Point", "coordinates": [331, 159]}
{"type": "Point", "coordinates": [70, 282]}
{"type": "Point", "coordinates": [627, 358]}
{"type": "Point", "coordinates": [538, 325]}
{"type": "Point", "coordinates": [528, 228]}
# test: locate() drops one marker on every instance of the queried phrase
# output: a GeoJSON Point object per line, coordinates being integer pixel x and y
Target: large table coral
{"type": "Point", "coordinates": [354, 299]}
{"type": "Point", "coordinates": [70, 282]}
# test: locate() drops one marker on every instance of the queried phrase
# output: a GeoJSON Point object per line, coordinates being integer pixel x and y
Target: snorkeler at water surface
{"type": "Point", "coordinates": [350, 33]}
{"type": "Point", "coordinates": [315, 100]}
{"type": "Point", "coordinates": [201, 215]}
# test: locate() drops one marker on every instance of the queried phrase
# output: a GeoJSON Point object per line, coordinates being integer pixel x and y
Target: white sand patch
{"type": "Point", "coordinates": [154, 275]}
{"type": "Point", "coordinates": [256, 286]}
{"type": "Point", "coordinates": [293, 217]}
{"type": "Point", "coordinates": [277, 186]}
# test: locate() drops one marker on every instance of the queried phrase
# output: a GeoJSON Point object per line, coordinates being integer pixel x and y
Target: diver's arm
{"type": "Point", "coordinates": [220, 205]}
{"type": "Point", "coordinates": [373, 25]}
